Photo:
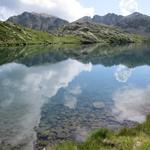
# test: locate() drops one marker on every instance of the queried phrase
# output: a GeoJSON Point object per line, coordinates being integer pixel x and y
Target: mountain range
{"type": "Point", "coordinates": [27, 28]}
{"type": "Point", "coordinates": [135, 23]}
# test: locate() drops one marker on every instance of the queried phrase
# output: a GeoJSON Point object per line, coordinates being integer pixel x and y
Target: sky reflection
{"type": "Point", "coordinates": [131, 103]}
{"type": "Point", "coordinates": [23, 92]}
{"type": "Point", "coordinates": [123, 73]}
{"type": "Point", "coordinates": [78, 97]}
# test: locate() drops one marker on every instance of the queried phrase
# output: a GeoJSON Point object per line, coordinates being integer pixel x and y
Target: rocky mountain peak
{"type": "Point", "coordinates": [38, 21]}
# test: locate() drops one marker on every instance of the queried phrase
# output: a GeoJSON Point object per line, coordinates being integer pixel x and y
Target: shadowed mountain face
{"type": "Point", "coordinates": [109, 19]}
{"type": "Point", "coordinates": [135, 22]}
{"type": "Point", "coordinates": [37, 21]}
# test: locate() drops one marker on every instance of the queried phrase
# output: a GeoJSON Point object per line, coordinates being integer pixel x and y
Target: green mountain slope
{"type": "Point", "coordinates": [77, 33]}
{"type": "Point", "coordinates": [11, 34]}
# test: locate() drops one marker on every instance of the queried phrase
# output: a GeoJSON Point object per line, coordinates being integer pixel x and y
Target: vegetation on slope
{"type": "Point", "coordinates": [11, 34]}
{"type": "Point", "coordinates": [79, 33]}
{"type": "Point", "coordinates": [96, 33]}
{"type": "Point", "coordinates": [137, 138]}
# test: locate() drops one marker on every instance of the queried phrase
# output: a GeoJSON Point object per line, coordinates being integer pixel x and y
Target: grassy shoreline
{"type": "Point", "coordinates": [136, 138]}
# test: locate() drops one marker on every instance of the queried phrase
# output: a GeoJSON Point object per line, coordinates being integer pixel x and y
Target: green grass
{"type": "Point", "coordinates": [11, 34]}
{"type": "Point", "coordinates": [137, 138]}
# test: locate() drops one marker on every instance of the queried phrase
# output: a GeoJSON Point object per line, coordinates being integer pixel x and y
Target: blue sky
{"type": "Point", "coordinates": [104, 6]}
{"type": "Point", "coordinates": [144, 6]}
{"type": "Point", "coordinates": [72, 10]}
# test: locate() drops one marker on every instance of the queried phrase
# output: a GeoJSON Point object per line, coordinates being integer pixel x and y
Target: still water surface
{"type": "Point", "coordinates": [70, 97]}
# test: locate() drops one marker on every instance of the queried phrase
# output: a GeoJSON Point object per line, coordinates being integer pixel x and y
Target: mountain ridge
{"type": "Point", "coordinates": [38, 21]}
{"type": "Point", "coordinates": [135, 22]}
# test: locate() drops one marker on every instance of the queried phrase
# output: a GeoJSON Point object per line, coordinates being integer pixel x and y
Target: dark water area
{"type": "Point", "coordinates": [64, 93]}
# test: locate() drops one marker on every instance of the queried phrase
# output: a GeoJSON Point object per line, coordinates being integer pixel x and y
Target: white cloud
{"type": "Point", "coordinates": [128, 6]}
{"type": "Point", "coordinates": [67, 9]}
{"type": "Point", "coordinates": [4, 13]}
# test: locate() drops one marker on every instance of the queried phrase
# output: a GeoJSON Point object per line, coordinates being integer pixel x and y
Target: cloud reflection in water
{"type": "Point", "coordinates": [132, 103]}
{"type": "Point", "coordinates": [23, 92]}
{"type": "Point", "coordinates": [122, 73]}
{"type": "Point", "coordinates": [71, 97]}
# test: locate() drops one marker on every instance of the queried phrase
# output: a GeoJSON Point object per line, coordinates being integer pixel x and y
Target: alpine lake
{"type": "Point", "coordinates": [50, 94]}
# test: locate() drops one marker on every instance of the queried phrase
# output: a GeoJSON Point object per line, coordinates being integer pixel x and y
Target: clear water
{"type": "Point", "coordinates": [70, 97]}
